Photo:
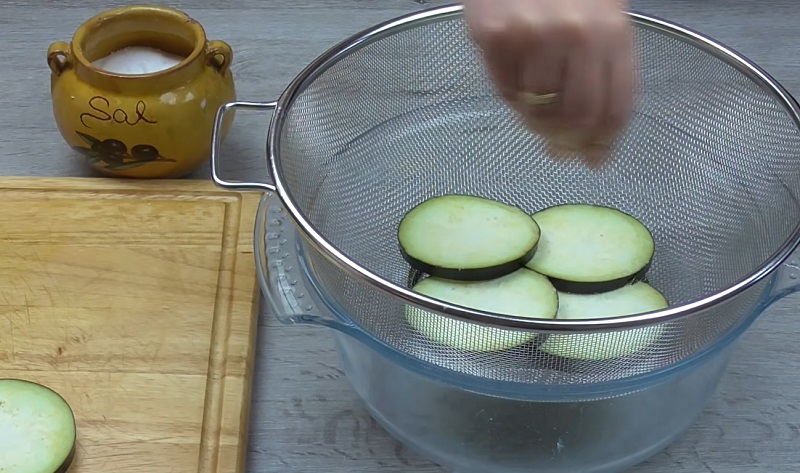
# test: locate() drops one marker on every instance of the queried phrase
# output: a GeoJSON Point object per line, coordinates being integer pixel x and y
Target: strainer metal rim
{"type": "Point", "coordinates": [334, 254]}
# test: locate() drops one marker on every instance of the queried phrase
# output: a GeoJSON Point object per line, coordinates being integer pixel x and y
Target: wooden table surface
{"type": "Point", "coordinates": [305, 417]}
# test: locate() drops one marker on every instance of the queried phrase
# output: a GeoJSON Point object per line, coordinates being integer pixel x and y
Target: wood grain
{"type": "Point", "coordinates": [305, 417]}
{"type": "Point", "coordinates": [137, 302]}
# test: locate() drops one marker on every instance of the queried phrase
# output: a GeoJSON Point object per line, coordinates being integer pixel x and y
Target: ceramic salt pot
{"type": "Point", "coordinates": [137, 90]}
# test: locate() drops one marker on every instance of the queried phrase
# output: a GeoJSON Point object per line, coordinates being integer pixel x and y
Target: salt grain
{"type": "Point", "coordinates": [137, 60]}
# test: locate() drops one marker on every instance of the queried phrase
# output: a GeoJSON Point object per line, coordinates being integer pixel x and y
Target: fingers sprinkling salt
{"type": "Point", "coordinates": [137, 60]}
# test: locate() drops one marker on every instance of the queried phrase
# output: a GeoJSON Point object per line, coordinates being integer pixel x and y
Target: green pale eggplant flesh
{"type": "Point", "coordinates": [37, 429]}
{"type": "Point", "coordinates": [522, 293]}
{"type": "Point", "coordinates": [587, 249]}
{"type": "Point", "coordinates": [636, 298]}
{"type": "Point", "coordinates": [467, 238]}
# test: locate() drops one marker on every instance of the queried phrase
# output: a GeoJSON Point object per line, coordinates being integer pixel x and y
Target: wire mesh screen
{"type": "Point", "coordinates": [709, 163]}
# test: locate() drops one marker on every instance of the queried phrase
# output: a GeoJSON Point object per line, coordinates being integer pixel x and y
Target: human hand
{"type": "Point", "coordinates": [577, 53]}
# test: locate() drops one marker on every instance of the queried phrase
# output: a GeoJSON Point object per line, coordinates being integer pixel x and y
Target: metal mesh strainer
{"type": "Point", "coordinates": [710, 163]}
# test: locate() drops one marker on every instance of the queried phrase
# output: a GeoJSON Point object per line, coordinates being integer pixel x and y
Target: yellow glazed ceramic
{"type": "Point", "coordinates": [155, 125]}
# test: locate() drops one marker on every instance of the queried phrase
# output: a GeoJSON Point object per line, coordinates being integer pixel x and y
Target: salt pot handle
{"type": "Point", "coordinates": [219, 54]}
{"type": "Point", "coordinates": [59, 57]}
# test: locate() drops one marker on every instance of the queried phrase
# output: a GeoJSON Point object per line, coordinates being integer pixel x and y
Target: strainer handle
{"type": "Point", "coordinates": [216, 138]}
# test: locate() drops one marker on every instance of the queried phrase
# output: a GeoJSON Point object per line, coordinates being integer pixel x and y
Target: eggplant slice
{"type": "Point", "coordinates": [37, 429]}
{"type": "Point", "coordinates": [636, 298]}
{"type": "Point", "coordinates": [589, 249]}
{"type": "Point", "coordinates": [522, 293]}
{"type": "Point", "coordinates": [467, 238]}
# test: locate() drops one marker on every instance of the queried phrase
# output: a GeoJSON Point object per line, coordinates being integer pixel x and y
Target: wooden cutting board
{"type": "Point", "coordinates": [137, 301]}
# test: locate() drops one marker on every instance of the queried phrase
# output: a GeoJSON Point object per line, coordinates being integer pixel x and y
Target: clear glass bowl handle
{"type": "Point", "coordinates": [786, 280]}
{"type": "Point", "coordinates": [289, 295]}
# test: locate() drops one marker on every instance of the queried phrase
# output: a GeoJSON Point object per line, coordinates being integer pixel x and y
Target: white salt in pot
{"type": "Point", "coordinates": [137, 89]}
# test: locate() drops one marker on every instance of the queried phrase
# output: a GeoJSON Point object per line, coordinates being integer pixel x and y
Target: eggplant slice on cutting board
{"type": "Point", "coordinates": [37, 429]}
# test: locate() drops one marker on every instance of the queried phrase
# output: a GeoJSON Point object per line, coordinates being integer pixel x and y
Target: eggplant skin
{"type": "Point", "coordinates": [597, 287]}
{"type": "Point", "coordinates": [471, 274]}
